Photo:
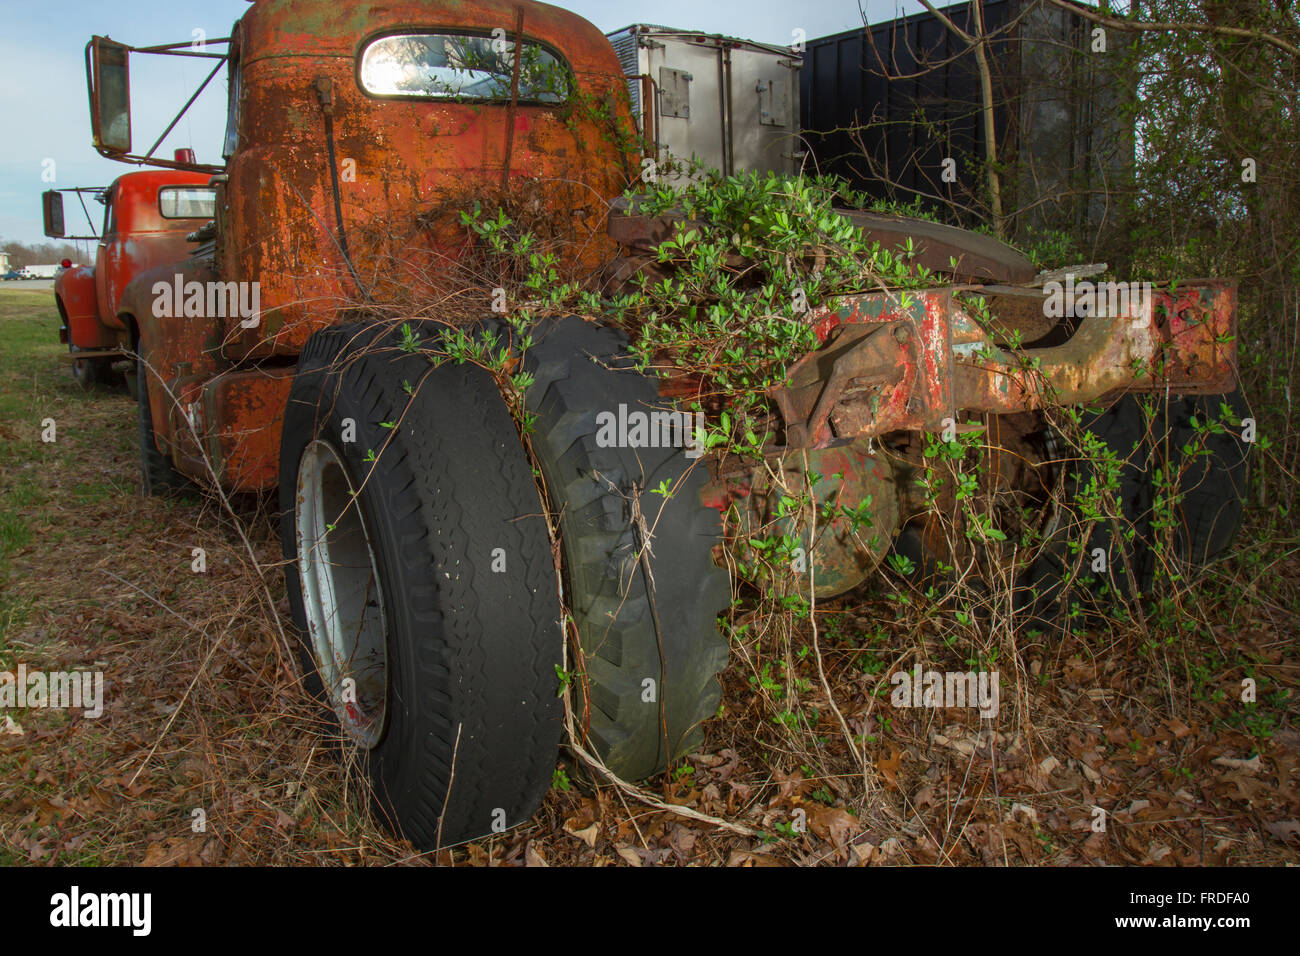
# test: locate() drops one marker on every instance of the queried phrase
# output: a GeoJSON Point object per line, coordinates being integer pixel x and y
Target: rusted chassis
{"type": "Point", "coordinates": [921, 362]}
{"type": "Point", "coordinates": [908, 361]}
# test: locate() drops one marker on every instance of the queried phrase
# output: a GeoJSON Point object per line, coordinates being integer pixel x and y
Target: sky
{"type": "Point", "coordinates": [44, 117]}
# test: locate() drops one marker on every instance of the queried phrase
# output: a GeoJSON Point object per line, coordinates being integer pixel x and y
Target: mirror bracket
{"type": "Point", "coordinates": [53, 216]}
{"type": "Point", "coordinates": [115, 143]}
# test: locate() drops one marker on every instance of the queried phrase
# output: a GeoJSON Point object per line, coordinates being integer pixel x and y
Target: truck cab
{"type": "Point", "coordinates": [352, 145]}
{"type": "Point", "coordinates": [147, 216]}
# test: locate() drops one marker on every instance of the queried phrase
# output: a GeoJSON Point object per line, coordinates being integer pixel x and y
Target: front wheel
{"type": "Point", "coordinates": [421, 581]}
{"type": "Point", "coordinates": [157, 476]}
{"type": "Point", "coordinates": [90, 372]}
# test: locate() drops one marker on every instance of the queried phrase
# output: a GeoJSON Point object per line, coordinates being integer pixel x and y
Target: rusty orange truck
{"type": "Point", "coordinates": [440, 610]}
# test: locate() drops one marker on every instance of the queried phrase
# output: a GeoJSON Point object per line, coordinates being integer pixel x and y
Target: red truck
{"type": "Point", "coordinates": [300, 348]}
{"type": "Point", "coordinates": [146, 218]}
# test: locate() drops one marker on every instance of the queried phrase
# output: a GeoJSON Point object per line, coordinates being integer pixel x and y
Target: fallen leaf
{"type": "Point", "coordinates": [888, 767]}
{"type": "Point", "coordinates": [1284, 830]}
{"type": "Point", "coordinates": [865, 852]}
{"type": "Point", "coordinates": [727, 769]}
{"type": "Point", "coordinates": [1247, 787]}
{"type": "Point", "coordinates": [588, 834]}
{"type": "Point", "coordinates": [789, 784]}
{"type": "Point", "coordinates": [682, 840]}
{"type": "Point", "coordinates": [891, 849]}
{"type": "Point", "coordinates": [834, 825]}
{"type": "Point", "coordinates": [1233, 763]}
{"type": "Point", "coordinates": [1157, 852]}
{"type": "Point", "coordinates": [1025, 812]}
{"type": "Point", "coordinates": [532, 857]}
{"type": "Point", "coordinates": [629, 856]}
{"type": "Point", "coordinates": [748, 858]}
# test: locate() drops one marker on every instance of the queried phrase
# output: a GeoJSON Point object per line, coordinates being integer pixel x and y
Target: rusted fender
{"type": "Point", "coordinates": [977, 258]}
{"type": "Point", "coordinates": [74, 292]}
{"type": "Point", "coordinates": [228, 426]}
{"type": "Point", "coordinates": [174, 347]}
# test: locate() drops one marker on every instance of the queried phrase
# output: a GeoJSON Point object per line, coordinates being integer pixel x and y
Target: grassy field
{"type": "Point", "coordinates": [202, 712]}
{"type": "Point", "coordinates": [207, 753]}
{"type": "Point", "coordinates": [34, 388]}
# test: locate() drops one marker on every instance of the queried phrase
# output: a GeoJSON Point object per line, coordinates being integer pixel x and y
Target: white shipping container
{"type": "Point", "coordinates": [732, 104]}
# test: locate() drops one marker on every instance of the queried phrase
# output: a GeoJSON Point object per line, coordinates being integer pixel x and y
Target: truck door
{"type": "Point", "coordinates": [107, 259]}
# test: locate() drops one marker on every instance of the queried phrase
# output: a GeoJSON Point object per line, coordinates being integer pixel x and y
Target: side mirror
{"type": "Point", "coordinates": [52, 212]}
{"type": "Point", "coordinates": [108, 78]}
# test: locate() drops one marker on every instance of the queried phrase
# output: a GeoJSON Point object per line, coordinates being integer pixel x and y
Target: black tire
{"type": "Point", "coordinates": [1045, 597]}
{"type": "Point", "coordinates": [630, 630]}
{"type": "Point", "coordinates": [91, 372]}
{"type": "Point", "coordinates": [1212, 488]}
{"type": "Point", "coordinates": [132, 379]}
{"type": "Point", "coordinates": [471, 654]}
{"type": "Point", "coordinates": [158, 478]}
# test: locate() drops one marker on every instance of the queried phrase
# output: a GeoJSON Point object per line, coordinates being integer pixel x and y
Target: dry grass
{"type": "Point", "coordinates": [205, 713]}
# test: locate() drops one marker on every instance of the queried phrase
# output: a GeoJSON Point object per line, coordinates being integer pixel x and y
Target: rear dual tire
{"type": "Point", "coordinates": [449, 586]}
{"type": "Point", "coordinates": [639, 570]}
{"type": "Point", "coordinates": [1208, 493]}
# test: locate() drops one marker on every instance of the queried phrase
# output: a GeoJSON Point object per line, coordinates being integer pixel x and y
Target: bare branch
{"type": "Point", "coordinates": [978, 43]}
{"type": "Point", "coordinates": [1141, 26]}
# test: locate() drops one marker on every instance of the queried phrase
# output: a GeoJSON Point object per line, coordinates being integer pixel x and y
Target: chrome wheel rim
{"type": "Point", "coordinates": [341, 594]}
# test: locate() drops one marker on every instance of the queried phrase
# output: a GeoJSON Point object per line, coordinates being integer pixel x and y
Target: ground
{"type": "Point", "coordinates": [1126, 746]}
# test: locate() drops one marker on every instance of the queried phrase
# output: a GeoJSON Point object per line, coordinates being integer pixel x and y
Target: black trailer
{"type": "Point", "coordinates": [886, 105]}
